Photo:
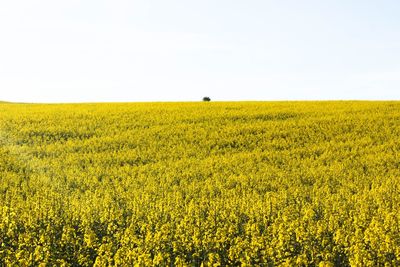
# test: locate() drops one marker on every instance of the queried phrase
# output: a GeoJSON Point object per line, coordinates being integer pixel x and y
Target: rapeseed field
{"type": "Point", "coordinates": [200, 184]}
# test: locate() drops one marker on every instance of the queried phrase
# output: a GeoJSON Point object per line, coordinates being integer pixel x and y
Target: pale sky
{"type": "Point", "coordinates": [182, 50]}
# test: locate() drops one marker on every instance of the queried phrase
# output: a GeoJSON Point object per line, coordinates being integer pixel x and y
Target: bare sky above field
{"type": "Point", "coordinates": [182, 50]}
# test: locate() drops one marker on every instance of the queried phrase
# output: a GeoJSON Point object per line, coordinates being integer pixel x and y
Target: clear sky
{"type": "Point", "coordinates": [182, 50]}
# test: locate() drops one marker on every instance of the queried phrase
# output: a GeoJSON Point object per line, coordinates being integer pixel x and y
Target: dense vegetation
{"type": "Point", "coordinates": [284, 183]}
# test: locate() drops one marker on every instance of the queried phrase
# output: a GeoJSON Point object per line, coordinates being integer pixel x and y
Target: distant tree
{"type": "Point", "coordinates": [206, 99]}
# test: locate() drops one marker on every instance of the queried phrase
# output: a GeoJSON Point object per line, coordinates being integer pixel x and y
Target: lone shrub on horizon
{"type": "Point", "coordinates": [206, 99]}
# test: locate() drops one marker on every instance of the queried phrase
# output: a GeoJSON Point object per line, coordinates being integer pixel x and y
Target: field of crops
{"type": "Point", "coordinates": [212, 184]}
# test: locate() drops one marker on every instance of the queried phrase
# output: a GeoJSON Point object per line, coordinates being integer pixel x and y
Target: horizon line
{"type": "Point", "coordinates": [199, 101]}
